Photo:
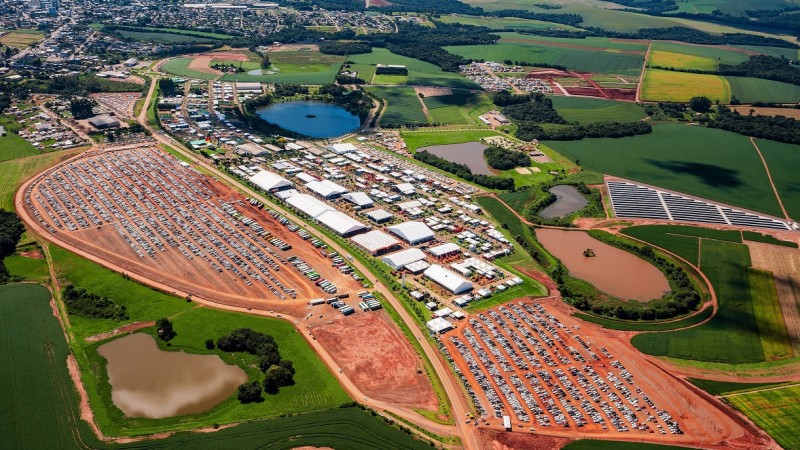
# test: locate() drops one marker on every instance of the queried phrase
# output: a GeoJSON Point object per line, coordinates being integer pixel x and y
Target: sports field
{"type": "Point", "coordinates": [296, 67]}
{"type": "Point", "coordinates": [777, 411]}
{"type": "Point", "coordinates": [20, 38]}
{"type": "Point", "coordinates": [663, 85]}
{"type": "Point", "coordinates": [402, 106]}
{"type": "Point", "coordinates": [599, 55]}
{"type": "Point", "coordinates": [708, 163]}
{"type": "Point", "coordinates": [420, 73]}
{"type": "Point", "coordinates": [784, 165]}
{"type": "Point", "coordinates": [180, 67]}
{"type": "Point", "coordinates": [588, 110]}
{"type": "Point", "coordinates": [460, 107]}
{"type": "Point", "coordinates": [732, 335]}
{"type": "Point", "coordinates": [749, 90]}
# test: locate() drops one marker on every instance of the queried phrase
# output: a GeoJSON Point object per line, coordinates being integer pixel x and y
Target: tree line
{"type": "Point", "coordinates": [462, 171]}
{"type": "Point", "coordinates": [503, 159]}
{"type": "Point", "coordinates": [92, 306]}
{"type": "Point", "coordinates": [776, 128]}
{"type": "Point", "coordinates": [278, 371]}
{"type": "Point", "coordinates": [11, 229]}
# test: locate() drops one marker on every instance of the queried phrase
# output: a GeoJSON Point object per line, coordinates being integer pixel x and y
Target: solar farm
{"type": "Point", "coordinates": [632, 200]}
{"type": "Point", "coordinates": [551, 373]}
{"type": "Point", "coordinates": [147, 213]}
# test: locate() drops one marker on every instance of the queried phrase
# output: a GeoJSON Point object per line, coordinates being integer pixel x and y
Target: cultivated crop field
{"type": "Point", "coordinates": [679, 239]}
{"type": "Point", "coordinates": [777, 411]}
{"type": "Point", "coordinates": [180, 67]}
{"type": "Point", "coordinates": [771, 326]}
{"type": "Point", "coordinates": [588, 110]}
{"type": "Point", "coordinates": [420, 73]}
{"type": "Point", "coordinates": [708, 163]}
{"type": "Point", "coordinates": [14, 172]}
{"type": "Point", "coordinates": [749, 90]}
{"type": "Point", "coordinates": [663, 85]}
{"type": "Point", "coordinates": [403, 106]}
{"type": "Point", "coordinates": [510, 23]}
{"type": "Point", "coordinates": [732, 336]}
{"type": "Point", "coordinates": [688, 56]}
{"type": "Point", "coordinates": [460, 107]}
{"type": "Point", "coordinates": [784, 165]}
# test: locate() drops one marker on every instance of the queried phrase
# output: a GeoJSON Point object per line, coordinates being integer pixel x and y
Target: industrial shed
{"type": "Point", "coordinates": [104, 121]}
{"type": "Point", "coordinates": [403, 258]}
{"type": "Point", "coordinates": [269, 181]}
{"type": "Point", "coordinates": [376, 242]}
{"type": "Point", "coordinates": [412, 232]}
{"type": "Point", "coordinates": [326, 188]}
{"type": "Point", "coordinates": [448, 279]}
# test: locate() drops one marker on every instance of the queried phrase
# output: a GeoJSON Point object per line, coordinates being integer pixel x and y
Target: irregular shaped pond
{"type": "Point", "coordinates": [611, 270]}
{"type": "Point", "coordinates": [568, 200]}
{"type": "Point", "coordinates": [149, 382]}
{"type": "Point", "coordinates": [469, 153]}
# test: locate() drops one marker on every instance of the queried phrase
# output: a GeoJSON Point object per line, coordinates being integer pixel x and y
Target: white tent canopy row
{"type": "Point", "coordinates": [448, 279]}
{"type": "Point", "coordinates": [326, 214]}
{"type": "Point", "coordinates": [403, 258]}
{"type": "Point", "coordinates": [269, 181]}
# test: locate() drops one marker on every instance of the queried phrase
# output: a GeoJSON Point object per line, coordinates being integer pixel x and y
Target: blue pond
{"type": "Point", "coordinates": [314, 119]}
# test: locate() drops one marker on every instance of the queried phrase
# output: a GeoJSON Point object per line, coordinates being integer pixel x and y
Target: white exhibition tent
{"type": "Point", "coordinates": [269, 181]}
{"type": "Point", "coordinates": [448, 279]}
{"type": "Point", "coordinates": [412, 232]}
{"type": "Point", "coordinates": [400, 259]}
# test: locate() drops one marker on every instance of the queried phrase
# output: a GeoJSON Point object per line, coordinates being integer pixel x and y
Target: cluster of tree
{"type": "Point", "coordinates": [391, 70]}
{"type": "Point", "coordinates": [167, 87]}
{"type": "Point", "coordinates": [11, 229]}
{"type": "Point", "coordinates": [779, 21]}
{"type": "Point", "coordinates": [345, 48]}
{"type": "Point", "coordinates": [462, 171]}
{"type": "Point", "coordinates": [529, 131]}
{"type": "Point", "coordinates": [347, 79]}
{"type": "Point", "coordinates": [83, 304]}
{"type": "Point", "coordinates": [777, 128]}
{"type": "Point", "coordinates": [673, 110]}
{"type": "Point", "coordinates": [700, 104]}
{"type": "Point", "coordinates": [278, 372]}
{"type": "Point", "coordinates": [184, 49]}
{"type": "Point", "coordinates": [764, 66]}
{"type": "Point", "coordinates": [539, 109]}
{"type": "Point", "coordinates": [291, 35]}
{"type": "Point", "coordinates": [165, 330]}
{"type": "Point", "coordinates": [505, 98]}
{"type": "Point", "coordinates": [81, 107]}
{"type": "Point", "coordinates": [289, 90]}
{"type": "Point", "coordinates": [228, 67]}
{"type": "Point", "coordinates": [650, 6]}
{"type": "Point", "coordinates": [503, 159]}
{"type": "Point", "coordinates": [356, 101]}
{"type": "Point", "coordinates": [429, 53]}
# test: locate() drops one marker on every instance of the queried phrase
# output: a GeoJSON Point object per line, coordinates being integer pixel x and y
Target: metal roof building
{"type": "Point", "coordinates": [448, 279]}
{"type": "Point", "coordinates": [269, 181]}
{"type": "Point", "coordinates": [376, 241]}
{"type": "Point", "coordinates": [403, 258]}
{"type": "Point", "coordinates": [412, 232]}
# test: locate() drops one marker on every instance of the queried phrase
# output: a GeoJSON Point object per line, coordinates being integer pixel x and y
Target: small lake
{"type": "Point", "coordinates": [149, 382]}
{"type": "Point", "coordinates": [468, 153]}
{"type": "Point", "coordinates": [311, 118]}
{"type": "Point", "coordinates": [612, 270]}
{"type": "Point", "coordinates": [568, 200]}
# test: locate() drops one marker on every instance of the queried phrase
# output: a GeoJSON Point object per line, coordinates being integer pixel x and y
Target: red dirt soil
{"type": "Point", "coordinates": [33, 255]}
{"type": "Point", "coordinates": [501, 440]}
{"type": "Point", "coordinates": [376, 357]}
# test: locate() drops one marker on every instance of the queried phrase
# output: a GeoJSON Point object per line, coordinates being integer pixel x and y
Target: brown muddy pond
{"type": "Point", "coordinates": [468, 153]}
{"type": "Point", "coordinates": [568, 200]}
{"type": "Point", "coordinates": [149, 382]}
{"type": "Point", "coordinates": [611, 270]}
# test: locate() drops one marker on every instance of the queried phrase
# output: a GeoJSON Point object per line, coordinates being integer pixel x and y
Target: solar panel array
{"type": "Point", "coordinates": [636, 201]}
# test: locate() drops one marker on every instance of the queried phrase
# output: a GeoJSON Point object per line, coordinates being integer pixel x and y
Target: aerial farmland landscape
{"type": "Point", "coordinates": [400, 224]}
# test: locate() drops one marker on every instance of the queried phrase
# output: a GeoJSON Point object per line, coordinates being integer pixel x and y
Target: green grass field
{"type": "Point", "coordinates": [679, 239]}
{"type": "Point", "coordinates": [163, 38]}
{"type": "Point", "coordinates": [390, 79]}
{"type": "Point", "coordinates": [402, 106]}
{"type": "Point", "coordinates": [14, 172]}
{"type": "Point", "coordinates": [709, 163]}
{"type": "Point", "coordinates": [767, 308]}
{"type": "Point", "coordinates": [732, 335]}
{"type": "Point", "coordinates": [420, 73]}
{"type": "Point", "coordinates": [789, 53]}
{"type": "Point", "coordinates": [508, 23]}
{"type": "Point", "coordinates": [20, 38]}
{"type": "Point", "coordinates": [296, 67]}
{"type": "Point", "coordinates": [715, 387]}
{"type": "Point", "coordinates": [417, 139]}
{"type": "Point", "coordinates": [784, 165]}
{"type": "Point", "coordinates": [749, 90]}
{"type": "Point", "coordinates": [588, 110]}
{"type": "Point", "coordinates": [661, 58]}
{"type": "Point", "coordinates": [709, 57]}
{"type": "Point", "coordinates": [11, 145]}
{"type": "Point", "coordinates": [27, 268]}
{"type": "Point", "coordinates": [180, 67]}
{"type": "Point", "coordinates": [777, 411]}
{"type": "Point", "coordinates": [663, 85]}
{"type": "Point", "coordinates": [587, 55]}
{"type": "Point", "coordinates": [460, 107]}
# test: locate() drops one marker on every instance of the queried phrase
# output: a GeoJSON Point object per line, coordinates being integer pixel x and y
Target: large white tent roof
{"type": "Point", "coordinates": [326, 188]}
{"type": "Point", "coordinates": [444, 249]}
{"type": "Point", "coordinates": [340, 222]}
{"type": "Point", "coordinates": [358, 198]}
{"type": "Point", "coordinates": [439, 325]}
{"type": "Point", "coordinates": [412, 232]}
{"type": "Point", "coordinates": [375, 241]}
{"type": "Point", "coordinates": [400, 259]}
{"type": "Point", "coordinates": [268, 181]}
{"type": "Point", "coordinates": [309, 205]}
{"type": "Point", "coordinates": [448, 279]}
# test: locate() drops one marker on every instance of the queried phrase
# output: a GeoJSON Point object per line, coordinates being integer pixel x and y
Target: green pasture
{"type": "Point", "coordinates": [588, 110]}
{"type": "Point", "coordinates": [14, 172]}
{"type": "Point", "coordinates": [402, 106]}
{"type": "Point", "coordinates": [390, 79]}
{"type": "Point", "coordinates": [732, 335]}
{"type": "Point", "coordinates": [420, 73]}
{"type": "Point", "coordinates": [784, 165]}
{"type": "Point", "coordinates": [668, 86]}
{"type": "Point", "coordinates": [365, 71]}
{"type": "Point", "coordinates": [460, 107]}
{"type": "Point", "coordinates": [504, 23]}
{"type": "Point", "coordinates": [163, 38]}
{"type": "Point", "coordinates": [599, 55]}
{"type": "Point", "coordinates": [295, 67]}
{"type": "Point", "coordinates": [776, 411]}
{"type": "Point", "coordinates": [789, 53]}
{"type": "Point", "coordinates": [11, 145]}
{"type": "Point", "coordinates": [680, 239]}
{"type": "Point", "coordinates": [749, 90]}
{"type": "Point", "coordinates": [753, 236]}
{"type": "Point", "coordinates": [27, 268]}
{"type": "Point", "coordinates": [715, 387]}
{"type": "Point", "coordinates": [771, 327]}
{"type": "Point", "coordinates": [709, 163]}
{"type": "Point", "coordinates": [180, 67]}
{"type": "Point", "coordinates": [423, 138]}
{"type": "Point", "coordinates": [735, 8]}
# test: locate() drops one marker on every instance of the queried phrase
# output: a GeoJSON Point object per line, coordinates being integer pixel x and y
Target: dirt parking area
{"type": "Point", "coordinates": [558, 376]}
{"type": "Point", "coordinates": [375, 356]}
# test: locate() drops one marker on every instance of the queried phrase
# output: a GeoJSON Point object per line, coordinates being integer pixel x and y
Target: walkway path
{"type": "Point", "coordinates": [769, 176]}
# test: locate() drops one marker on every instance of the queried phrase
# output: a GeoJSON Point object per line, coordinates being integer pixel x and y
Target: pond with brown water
{"type": "Point", "coordinates": [468, 153]}
{"type": "Point", "coordinates": [149, 382]}
{"type": "Point", "coordinates": [611, 270]}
